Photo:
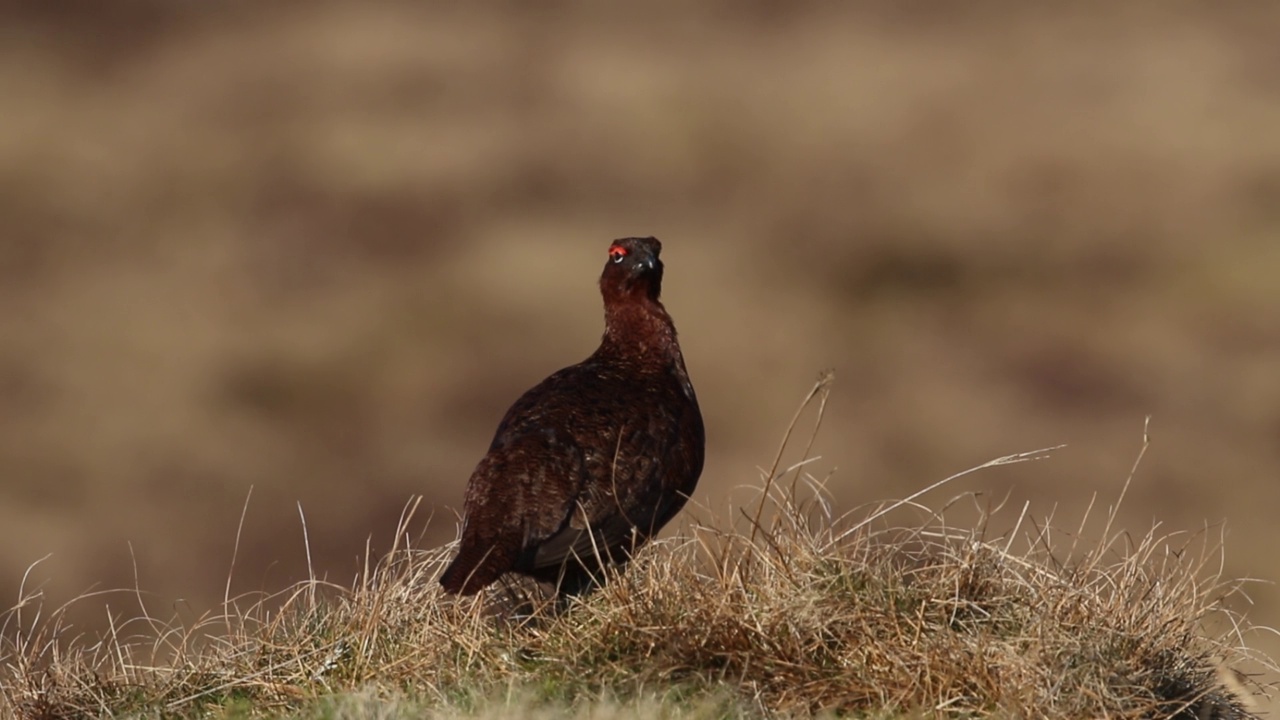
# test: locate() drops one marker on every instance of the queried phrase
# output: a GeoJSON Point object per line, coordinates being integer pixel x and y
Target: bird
{"type": "Point", "coordinates": [589, 464]}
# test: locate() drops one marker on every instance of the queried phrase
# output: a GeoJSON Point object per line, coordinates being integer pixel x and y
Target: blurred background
{"type": "Point", "coordinates": [317, 248]}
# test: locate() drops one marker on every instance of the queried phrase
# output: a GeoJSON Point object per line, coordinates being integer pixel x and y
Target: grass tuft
{"type": "Point", "coordinates": [782, 608]}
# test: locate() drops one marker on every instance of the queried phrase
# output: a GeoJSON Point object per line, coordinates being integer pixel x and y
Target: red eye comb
{"type": "Point", "coordinates": [617, 251]}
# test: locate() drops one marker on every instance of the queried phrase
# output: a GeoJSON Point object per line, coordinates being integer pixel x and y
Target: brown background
{"type": "Point", "coordinates": [317, 248]}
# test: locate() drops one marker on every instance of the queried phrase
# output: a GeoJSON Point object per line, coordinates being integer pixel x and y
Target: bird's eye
{"type": "Point", "coordinates": [616, 253]}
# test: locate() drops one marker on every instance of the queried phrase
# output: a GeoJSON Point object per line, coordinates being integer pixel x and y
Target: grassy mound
{"type": "Point", "coordinates": [780, 609]}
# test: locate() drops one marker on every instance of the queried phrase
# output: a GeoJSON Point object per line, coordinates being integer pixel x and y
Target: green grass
{"type": "Point", "coordinates": [778, 609]}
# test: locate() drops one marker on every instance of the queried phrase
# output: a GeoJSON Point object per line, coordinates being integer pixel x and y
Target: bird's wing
{"type": "Point", "coordinates": [583, 539]}
{"type": "Point", "coordinates": [622, 501]}
{"type": "Point", "coordinates": [521, 493]}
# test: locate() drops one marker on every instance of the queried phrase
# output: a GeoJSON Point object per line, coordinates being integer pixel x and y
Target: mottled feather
{"type": "Point", "coordinates": [590, 463]}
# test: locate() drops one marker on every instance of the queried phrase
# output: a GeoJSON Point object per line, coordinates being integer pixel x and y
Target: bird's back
{"type": "Point", "coordinates": [586, 448]}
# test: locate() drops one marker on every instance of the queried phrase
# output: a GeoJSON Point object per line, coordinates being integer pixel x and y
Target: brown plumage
{"type": "Point", "coordinates": [613, 445]}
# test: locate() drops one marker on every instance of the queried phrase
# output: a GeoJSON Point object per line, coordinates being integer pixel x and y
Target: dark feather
{"type": "Point", "coordinates": [589, 464]}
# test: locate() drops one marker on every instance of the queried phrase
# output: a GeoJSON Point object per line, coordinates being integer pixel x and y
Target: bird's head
{"type": "Point", "coordinates": [633, 269]}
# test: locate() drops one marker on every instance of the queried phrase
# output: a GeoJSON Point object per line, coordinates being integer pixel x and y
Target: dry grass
{"type": "Point", "coordinates": [782, 609]}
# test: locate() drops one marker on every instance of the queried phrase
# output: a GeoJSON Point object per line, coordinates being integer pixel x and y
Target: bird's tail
{"type": "Point", "coordinates": [473, 569]}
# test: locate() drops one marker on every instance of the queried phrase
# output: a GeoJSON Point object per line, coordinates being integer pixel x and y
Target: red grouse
{"type": "Point", "coordinates": [594, 460]}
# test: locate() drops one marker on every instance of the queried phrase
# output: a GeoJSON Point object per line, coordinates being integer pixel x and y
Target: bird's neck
{"type": "Point", "coordinates": [640, 330]}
